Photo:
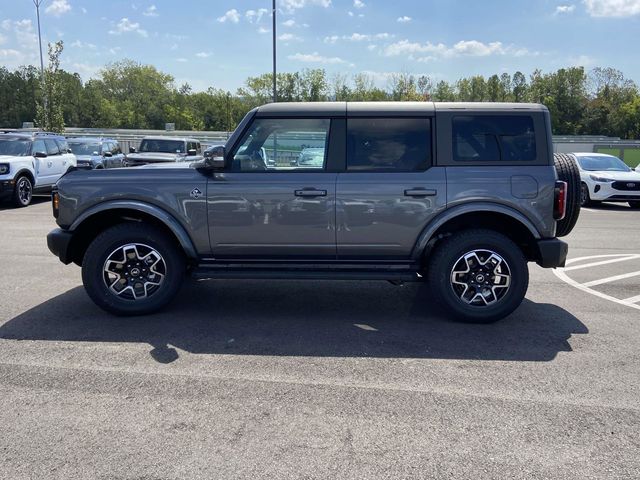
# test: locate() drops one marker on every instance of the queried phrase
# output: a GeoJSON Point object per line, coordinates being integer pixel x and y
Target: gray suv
{"type": "Point", "coordinates": [96, 153]}
{"type": "Point", "coordinates": [164, 150]}
{"type": "Point", "coordinates": [461, 196]}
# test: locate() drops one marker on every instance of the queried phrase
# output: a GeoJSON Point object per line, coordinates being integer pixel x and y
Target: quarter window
{"type": "Point", "coordinates": [388, 144]}
{"type": "Point", "coordinates": [283, 145]}
{"type": "Point", "coordinates": [494, 138]}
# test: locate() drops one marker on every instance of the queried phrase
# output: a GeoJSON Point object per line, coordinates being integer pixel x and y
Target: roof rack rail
{"type": "Point", "coordinates": [45, 134]}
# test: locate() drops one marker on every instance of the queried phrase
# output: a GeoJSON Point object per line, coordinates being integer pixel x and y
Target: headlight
{"type": "Point", "coordinates": [4, 168]}
{"type": "Point", "coordinates": [600, 179]}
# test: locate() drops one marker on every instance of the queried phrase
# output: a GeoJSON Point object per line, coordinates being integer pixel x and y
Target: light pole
{"type": "Point", "coordinates": [37, 3]}
{"type": "Point", "coordinates": [273, 18]}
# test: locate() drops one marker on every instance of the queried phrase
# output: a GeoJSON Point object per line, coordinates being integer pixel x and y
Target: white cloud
{"type": "Point", "coordinates": [403, 19]}
{"type": "Point", "coordinates": [3, 39]}
{"type": "Point", "coordinates": [254, 16]}
{"type": "Point", "coordinates": [358, 37]}
{"type": "Point", "coordinates": [85, 70]}
{"type": "Point", "coordinates": [203, 54]}
{"type": "Point", "coordinates": [315, 58]}
{"type": "Point", "coordinates": [582, 61]}
{"type": "Point", "coordinates": [231, 16]}
{"type": "Point", "coordinates": [288, 37]}
{"type": "Point", "coordinates": [125, 26]}
{"type": "Point", "coordinates": [350, 13]}
{"type": "Point", "coordinates": [181, 60]}
{"type": "Point", "coordinates": [560, 9]}
{"type": "Point", "coordinates": [263, 30]}
{"type": "Point", "coordinates": [289, 23]}
{"type": "Point", "coordinates": [6, 53]}
{"type": "Point", "coordinates": [612, 8]}
{"type": "Point", "coordinates": [151, 11]}
{"type": "Point", "coordinates": [289, 6]}
{"type": "Point", "coordinates": [469, 48]}
{"type": "Point", "coordinates": [83, 10]}
{"type": "Point", "coordinates": [58, 7]}
{"type": "Point", "coordinates": [80, 44]}
{"type": "Point", "coordinates": [358, 4]}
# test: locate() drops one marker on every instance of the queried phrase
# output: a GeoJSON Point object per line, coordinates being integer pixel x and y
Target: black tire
{"type": "Point", "coordinates": [635, 205]}
{"type": "Point", "coordinates": [451, 251]}
{"type": "Point", "coordinates": [23, 191]}
{"type": "Point", "coordinates": [108, 245]}
{"type": "Point", "coordinates": [567, 170]}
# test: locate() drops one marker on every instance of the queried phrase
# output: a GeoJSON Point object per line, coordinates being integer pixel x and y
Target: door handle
{"type": "Point", "coordinates": [420, 192]}
{"type": "Point", "coordinates": [310, 192]}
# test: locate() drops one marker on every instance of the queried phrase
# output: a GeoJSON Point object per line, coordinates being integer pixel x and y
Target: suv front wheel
{"type": "Point", "coordinates": [478, 275]}
{"type": "Point", "coordinates": [132, 269]}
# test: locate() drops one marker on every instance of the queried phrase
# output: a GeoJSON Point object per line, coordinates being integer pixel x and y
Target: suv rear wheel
{"type": "Point", "coordinates": [479, 275]}
{"type": "Point", "coordinates": [132, 269]}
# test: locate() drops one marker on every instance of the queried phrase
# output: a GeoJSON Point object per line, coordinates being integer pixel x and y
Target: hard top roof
{"type": "Point", "coordinates": [399, 109]}
{"type": "Point", "coordinates": [91, 139]}
{"type": "Point", "coordinates": [179, 139]}
{"type": "Point", "coordinates": [30, 135]}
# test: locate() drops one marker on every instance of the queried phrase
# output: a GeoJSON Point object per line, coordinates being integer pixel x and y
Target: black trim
{"type": "Point", "coordinates": [58, 241]}
{"type": "Point", "coordinates": [552, 253]}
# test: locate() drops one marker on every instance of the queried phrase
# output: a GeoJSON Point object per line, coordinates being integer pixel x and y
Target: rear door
{"type": "Point", "coordinates": [390, 189]}
{"type": "Point", "coordinates": [275, 211]}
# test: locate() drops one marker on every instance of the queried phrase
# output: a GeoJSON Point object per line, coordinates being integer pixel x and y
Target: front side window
{"type": "Point", "coordinates": [52, 147]}
{"type": "Point", "coordinates": [388, 144]}
{"type": "Point", "coordinates": [38, 146]}
{"type": "Point", "coordinates": [494, 138]}
{"type": "Point", "coordinates": [283, 145]}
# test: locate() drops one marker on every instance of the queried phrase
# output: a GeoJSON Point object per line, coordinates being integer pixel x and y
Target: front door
{"type": "Point", "coordinates": [274, 200]}
{"type": "Point", "coordinates": [390, 189]}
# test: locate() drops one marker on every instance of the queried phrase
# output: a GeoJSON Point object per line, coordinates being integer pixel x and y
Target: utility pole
{"type": "Point", "coordinates": [37, 3]}
{"type": "Point", "coordinates": [273, 18]}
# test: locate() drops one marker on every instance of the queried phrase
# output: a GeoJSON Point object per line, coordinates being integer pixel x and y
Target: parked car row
{"type": "Point", "coordinates": [33, 162]}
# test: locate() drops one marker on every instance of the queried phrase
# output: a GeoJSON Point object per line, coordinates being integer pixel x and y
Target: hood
{"type": "Point", "coordinates": [8, 158]}
{"type": "Point", "coordinates": [157, 156]}
{"type": "Point", "coordinates": [631, 176]}
{"type": "Point", "coordinates": [167, 165]}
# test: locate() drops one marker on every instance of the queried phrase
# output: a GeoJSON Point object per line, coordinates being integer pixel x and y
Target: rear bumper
{"type": "Point", "coordinates": [58, 241]}
{"type": "Point", "coordinates": [552, 253]}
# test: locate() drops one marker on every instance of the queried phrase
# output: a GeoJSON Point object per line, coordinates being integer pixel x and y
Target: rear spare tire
{"type": "Point", "coordinates": [567, 170]}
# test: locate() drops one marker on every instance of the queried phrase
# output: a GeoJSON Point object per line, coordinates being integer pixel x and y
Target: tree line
{"type": "Point", "coordinates": [127, 94]}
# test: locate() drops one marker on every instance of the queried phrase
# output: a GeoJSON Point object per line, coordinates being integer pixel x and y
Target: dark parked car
{"type": "Point", "coordinates": [96, 153]}
{"type": "Point", "coordinates": [461, 196]}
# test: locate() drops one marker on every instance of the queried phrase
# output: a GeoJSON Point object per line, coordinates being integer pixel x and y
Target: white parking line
{"type": "Point", "coordinates": [603, 262]}
{"type": "Point", "coordinates": [611, 279]}
{"type": "Point", "coordinates": [629, 302]}
{"type": "Point", "coordinates": [632, 300]}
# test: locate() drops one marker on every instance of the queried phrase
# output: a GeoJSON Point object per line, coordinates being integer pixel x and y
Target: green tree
{"type": "Point", "coordinates": [49, 109]}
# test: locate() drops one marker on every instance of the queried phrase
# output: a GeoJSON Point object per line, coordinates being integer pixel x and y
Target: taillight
{"type": "Point", "coordinates": [560, 200]}
{"type": "Point", "coordinates": [55, 203]}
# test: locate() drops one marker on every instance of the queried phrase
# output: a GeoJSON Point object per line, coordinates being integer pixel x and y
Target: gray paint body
{"type": "Point", "coordinates": [361, 216]}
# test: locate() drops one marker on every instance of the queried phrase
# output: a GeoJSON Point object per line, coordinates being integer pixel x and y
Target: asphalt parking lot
{"type": "Point", "coordinates": [275, 379]}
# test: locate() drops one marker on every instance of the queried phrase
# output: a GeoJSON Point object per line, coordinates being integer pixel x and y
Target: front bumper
{"type": "Point", "coordinates": [7, 188]}
{"type": "Point", "coordinates": [552, 253]}
{"type": "Point", "coordinates": [58, 241]}
{"type": "Point", "coordinates": [606, 192]}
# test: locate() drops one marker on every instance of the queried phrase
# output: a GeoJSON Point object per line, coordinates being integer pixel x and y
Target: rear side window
{"type": "Point", "coordinates": [388, 144]}
{"type": "Point", "coordinates": [494, 138]}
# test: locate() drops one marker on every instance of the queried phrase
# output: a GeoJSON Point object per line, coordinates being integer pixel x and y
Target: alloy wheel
{"type": "Point", "coordinates": [134, 271]}
{"type": "Point", "coordinates": [480, 278]}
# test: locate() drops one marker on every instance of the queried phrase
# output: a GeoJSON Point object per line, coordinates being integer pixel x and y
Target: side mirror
{"type": "Point", "coordinates": [108, 154]}
{"type": "Point", "coordinates": [40, 155]}
{"type": "Point", "coordinates": [215, 157]}
{"type": "Point", "coordinates": [132, 149]}
{"type": "Point", "coordinates": [69, 150]}
{"type": "Point", "coordinates": [191, 152]}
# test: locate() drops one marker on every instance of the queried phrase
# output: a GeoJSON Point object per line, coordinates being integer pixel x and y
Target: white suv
{"type": "Point", "coordinates": [606, 178]}
{"type": "Point", "coordinates": [31, 162]}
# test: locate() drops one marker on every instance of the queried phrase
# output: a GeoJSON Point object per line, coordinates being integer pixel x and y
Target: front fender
{"type": "Point", "coordinates": [167, 219]}
{"type": "Point", "coordinates": [456, 211]}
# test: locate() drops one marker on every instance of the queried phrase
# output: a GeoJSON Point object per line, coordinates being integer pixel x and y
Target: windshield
{"type": "Point", "coordinates": [14, 146]}
{"type": "Point", "coordinates": [163, 146]}
{"type": "Point", "coordinates": [84, 148]}
{"type": "Point", "coordinates": [607, 163]}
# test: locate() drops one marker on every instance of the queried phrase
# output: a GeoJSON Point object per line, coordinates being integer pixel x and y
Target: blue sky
{"type": "Point", "coordinates": [221, 42]}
